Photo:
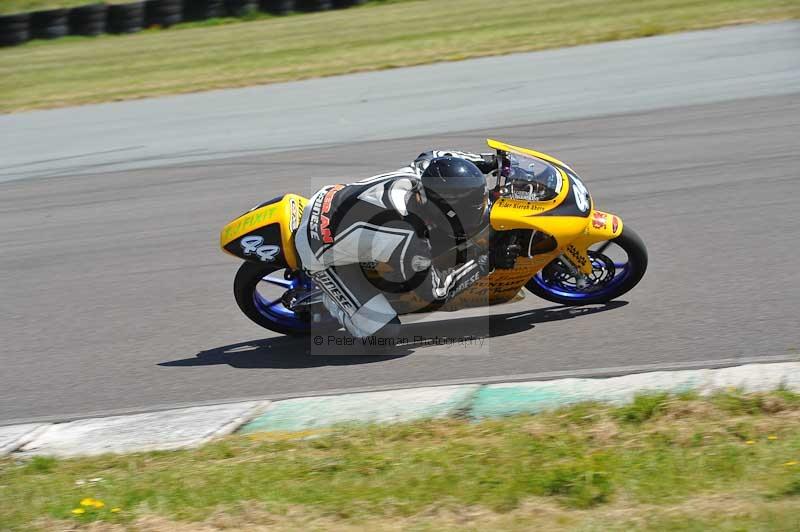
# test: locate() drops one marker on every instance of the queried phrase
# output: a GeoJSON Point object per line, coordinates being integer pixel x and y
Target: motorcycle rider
{"type": "Point", "coordinates": [436, 207]}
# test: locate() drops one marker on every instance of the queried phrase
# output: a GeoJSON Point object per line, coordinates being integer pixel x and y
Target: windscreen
{"type": "Point", "coordinates": [529, 178]}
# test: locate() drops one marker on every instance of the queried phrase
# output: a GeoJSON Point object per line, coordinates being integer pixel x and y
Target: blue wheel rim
{"type": "Point", "coordinates": [621, 274]}
{"type": "Point", "coordinates": [274, 309]}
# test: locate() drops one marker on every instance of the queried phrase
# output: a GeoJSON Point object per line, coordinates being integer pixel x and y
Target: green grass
{"type": "Point", "coordinates": [688, 464]}
{"type": "Point", "coordinates": [80, 70]}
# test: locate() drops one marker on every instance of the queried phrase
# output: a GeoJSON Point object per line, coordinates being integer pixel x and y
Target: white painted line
{"type": "Point", "coordinates": [170, 429]}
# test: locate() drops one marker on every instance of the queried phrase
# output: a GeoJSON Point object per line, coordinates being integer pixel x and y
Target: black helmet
{"type": "Point", "coordinates": [458, 188]}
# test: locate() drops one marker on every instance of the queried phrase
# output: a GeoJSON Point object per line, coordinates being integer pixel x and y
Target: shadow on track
{"type": "Point", "coordinates": [286, 352]}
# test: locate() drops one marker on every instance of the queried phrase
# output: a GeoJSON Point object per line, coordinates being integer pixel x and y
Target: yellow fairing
{"type": "Point", "coordinates": [573, 234]}
{"type": "Point", "coordinates": [507, 214]}
{"type": "Point", "coordinates": [601, 226]}
{"type": "Point", "coordinates": [287, 213]}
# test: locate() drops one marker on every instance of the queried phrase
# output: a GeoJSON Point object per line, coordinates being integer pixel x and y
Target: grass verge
{"type": "Point", "coordinates": [27, 6]}
{"type": "Point", "coordinates": [731, 462]}
{"type": "Point", "coordinates": [79, 70]}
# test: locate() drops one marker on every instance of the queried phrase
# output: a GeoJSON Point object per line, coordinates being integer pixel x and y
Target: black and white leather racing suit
{"type": "Point", "coordinates": [377, 220]}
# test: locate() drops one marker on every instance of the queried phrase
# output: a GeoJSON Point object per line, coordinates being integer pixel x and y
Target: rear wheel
{"type": "Point", "coordinates": [617, 266]}
{"type": "Point", "coordinates": [261, 291]}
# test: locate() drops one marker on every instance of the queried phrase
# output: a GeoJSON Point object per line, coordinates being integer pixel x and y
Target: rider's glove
{"type": "Point", "coordinates": [488, 163]}
{"type": "Point", "coordinates": [420, 263]}
{"type": "Point", "coordinates": [484, 265]}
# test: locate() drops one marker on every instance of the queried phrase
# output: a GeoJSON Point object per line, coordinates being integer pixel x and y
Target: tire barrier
{"type": "Point", "coordinates": [88, 20]}
{"type": "Point", "coordinates": [14, 29]}
{"type": "Point", "coordinates": [50, 24]}
{"type": "Point", "coordinates": [241, 8]}
{"type": "Point", "coordinates": [164, 13]}
{"type": "Point", "coordinates": [277, 7]}
{"type": "Point", "coordinates": [126, 18]}
{"type": "Point", "coordinates": [314, 5]}
{"type": "Point", "coordinates": [203, 9]}
{"type": "Point", "coordinates": [94, 19]}
{"type": "Point", "coordinates": [348, 3]}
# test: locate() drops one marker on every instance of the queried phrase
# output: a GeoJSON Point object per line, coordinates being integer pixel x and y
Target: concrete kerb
{"type": "Point", "coordinates": [370, 407]}
{"type": "Point", "coordinates": [15, 436]}
{"type": "Point", "coordinates": [302, 417]}
{"type": "Point", "coordinates": [529, 397]}
{"type": "Point", "coordinates": [166, 430]}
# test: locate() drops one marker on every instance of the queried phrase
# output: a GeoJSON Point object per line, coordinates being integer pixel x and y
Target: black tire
{"type": "Point", "coordinates": [88, 20]}
{"type": "Point", "coordinates": [194, 10]}
{"type": "Point", "coordinates": [633, 245]}
{"type": "Point", "coordinates": [164, 13]}
{"type": "Point", "coordinates": [50, 24]}
{"type": "Point", "coordinates": [241, 8]}
{"type": "Point", "coordinates": [348, 3]}
{"type": "Point", "coordinates": [244, 284]}
{"type": "Point", "coordinates": [277, 7]}
{"type": "Point", "coordinates": [310, 6]}
{"type": "Point", "coordinates": [14, 29]}
{"type": "Point", "coordinates": [126, 18]}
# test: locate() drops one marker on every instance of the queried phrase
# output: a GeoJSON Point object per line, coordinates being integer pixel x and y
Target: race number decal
{"type": "Point", "coordinates": [581, 194]}
{"type": "Point", "coordinates": [252, 245]}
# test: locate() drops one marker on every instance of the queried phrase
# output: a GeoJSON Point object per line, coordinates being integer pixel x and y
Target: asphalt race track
{"type": "Point", "coordinates": [114, 296]}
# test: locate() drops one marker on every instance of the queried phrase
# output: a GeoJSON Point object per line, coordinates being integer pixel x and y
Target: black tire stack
{"type": "Point", "coordinates": [50, 24]}
{"type": "Point", "coordinates": [96, 18]}
{"type": "Point", "coordinates": [241, 8]}
{"type": "Point", "coordinates": [314, 5]}
{"type": "Point", "coordinates": [126, 18]}
{"type": "Point", "coordinates": [277, 7]}
{"type": "Point", "coordinates": [203, 9]}
{"type": "Point", "coordinates": [14, 29]}
{"type": "Point", "coordinates": [164, 13]}
{"type": "Point", "coordinates": [88, 20]}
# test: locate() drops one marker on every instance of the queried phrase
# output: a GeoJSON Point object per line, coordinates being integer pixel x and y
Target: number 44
{"type": "Point", "coordinates": [253, 245]}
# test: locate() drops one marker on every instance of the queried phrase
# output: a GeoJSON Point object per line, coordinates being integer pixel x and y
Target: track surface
{"type": "Point", "coordinates": [601, 79]}
{"type": "Point", "coordinates": [114, 295]}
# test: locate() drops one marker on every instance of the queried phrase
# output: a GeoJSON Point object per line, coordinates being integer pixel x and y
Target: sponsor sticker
{"type": "Point", "coordinates": [318, 222]}
{"type": "Point", "coordinates": [575, 254]}
{"type": "Point", "coordinates": [614, 224]}
{"type": "Point", "coordinates": [333, 289]}
{"type": "Point", "coordinates": [250, 221]}
{"type": "Point", "coordinates": [526, 205]}
{"type": "Point", "coordinates": [599, 220]}
{"type": "Point", "coordinates": [466, 283]}
{"type": "Point", "coordinates": [295, 214]}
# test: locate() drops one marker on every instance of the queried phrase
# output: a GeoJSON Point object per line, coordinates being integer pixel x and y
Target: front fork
{"type": "Point", "coordinates": [580, 277]}
{"type": "Point", "coordinates": [304, 296]}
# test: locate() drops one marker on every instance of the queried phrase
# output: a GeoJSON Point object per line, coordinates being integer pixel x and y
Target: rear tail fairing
{"type": "Point", "coordinates": [266, 233]}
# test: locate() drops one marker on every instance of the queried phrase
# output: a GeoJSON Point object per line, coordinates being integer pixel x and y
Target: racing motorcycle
{"type": "Point", "coordinates": [567, 251]}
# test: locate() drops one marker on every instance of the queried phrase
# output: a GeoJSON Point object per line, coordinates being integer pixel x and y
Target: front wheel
{"type": "Point", "coordinates": [261, 291]}
{"type": "Point", "coordinates": [617, 266]}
